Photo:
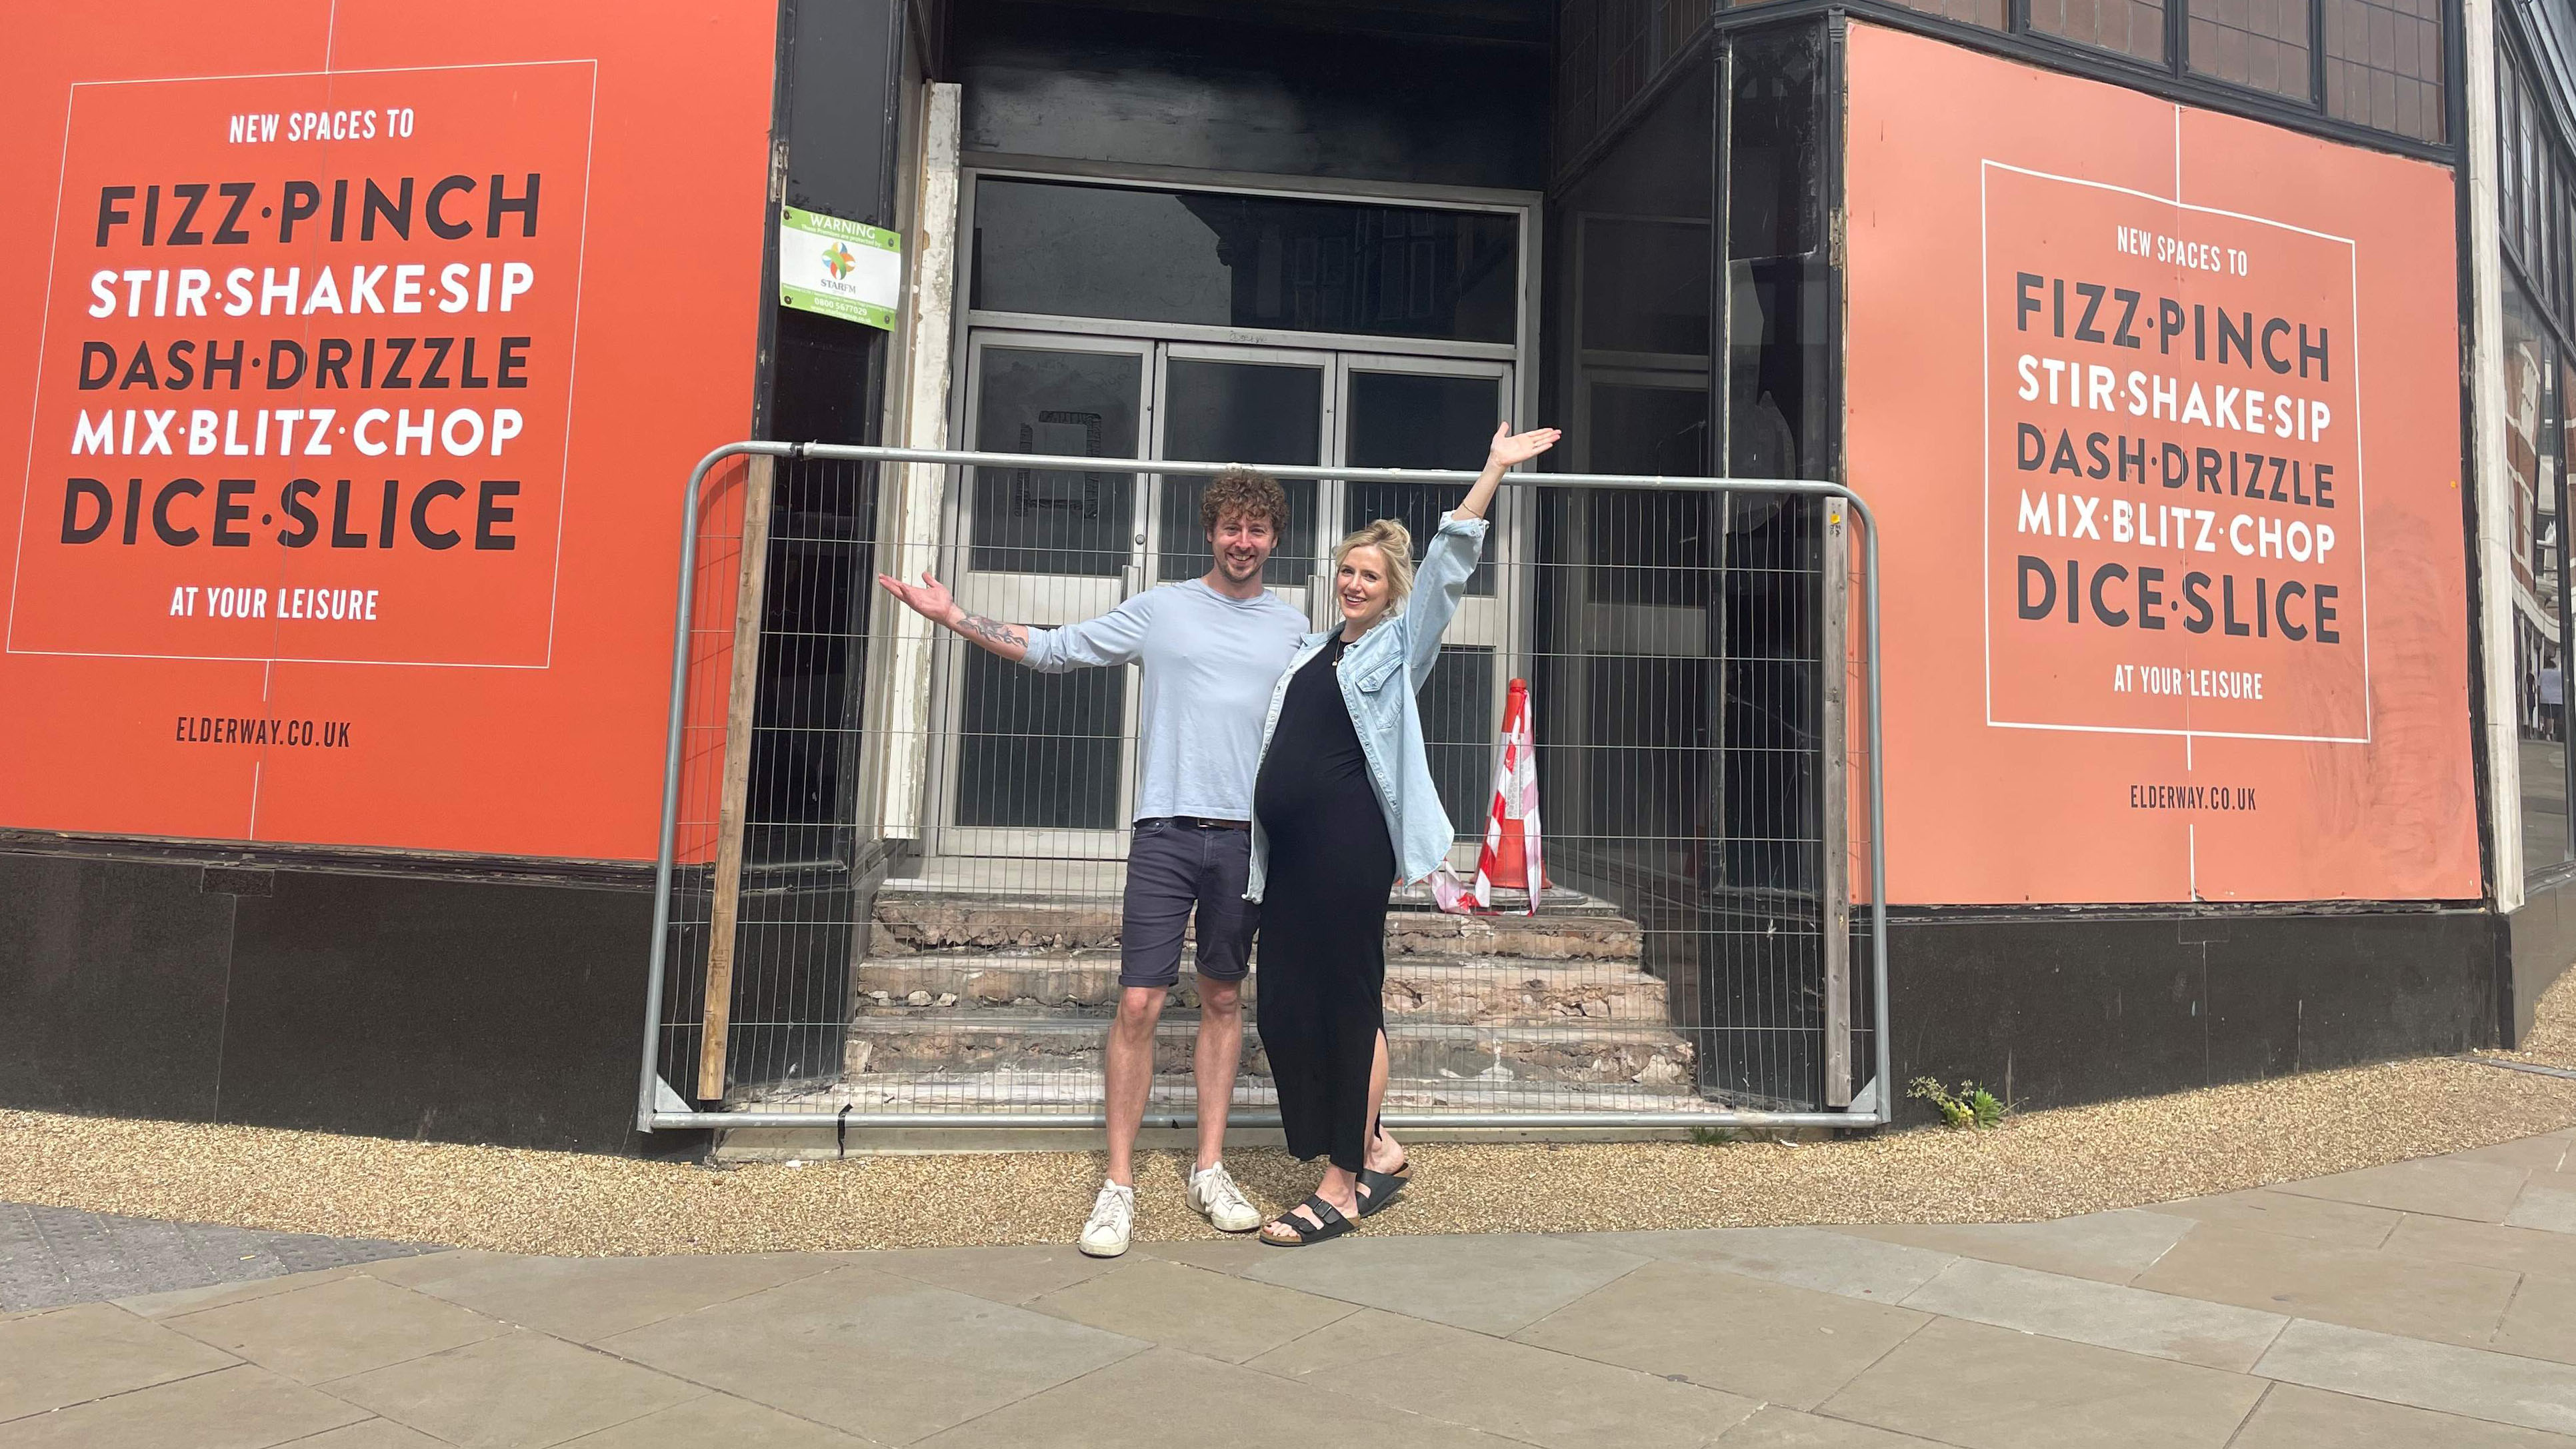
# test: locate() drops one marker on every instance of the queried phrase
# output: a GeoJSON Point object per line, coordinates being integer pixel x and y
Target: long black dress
{"type": "Point", "coordinates": [1322, 953]}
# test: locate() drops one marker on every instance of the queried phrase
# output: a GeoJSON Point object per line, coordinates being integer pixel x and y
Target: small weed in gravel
{"type": "Point", "coordinates": [1971, 1106]}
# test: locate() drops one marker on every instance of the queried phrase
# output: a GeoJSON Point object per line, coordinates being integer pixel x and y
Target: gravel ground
{"type": "Point", "coordinates": [2037, 1165]}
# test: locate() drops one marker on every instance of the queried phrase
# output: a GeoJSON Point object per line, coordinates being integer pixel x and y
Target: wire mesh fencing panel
{"type": "Point", "coordinates": [1680, 650]}
{"type": "Point", "coordinates": [933, 837]}
{"type": "Point", "coordinates": [772, 758]}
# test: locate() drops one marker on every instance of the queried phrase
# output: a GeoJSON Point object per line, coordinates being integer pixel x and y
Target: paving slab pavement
{"type": "Point", "coordinates": [2427, 1303]}
{"type": "Point", "coordinates": [56, 1255]}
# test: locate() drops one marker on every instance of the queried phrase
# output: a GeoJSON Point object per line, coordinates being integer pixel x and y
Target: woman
{"type": "Point", "coordinates": [1343, 809]}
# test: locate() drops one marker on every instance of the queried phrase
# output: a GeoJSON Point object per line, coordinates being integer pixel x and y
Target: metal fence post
{"type": "Point", "coordinates": [647, 1090]}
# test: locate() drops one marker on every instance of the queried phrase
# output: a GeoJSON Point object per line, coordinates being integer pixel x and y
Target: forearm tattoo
{"type": "Point", "coordinates": [981, 627]}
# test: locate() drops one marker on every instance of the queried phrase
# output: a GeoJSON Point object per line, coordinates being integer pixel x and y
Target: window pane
{"type": "Point", "coordinates": [1609, 52]}
{"type": "Point", "coordinates": [2258, 43]}
{"type": "Point", "coordinates": [2384, 65]}
{"type": "Point", "coordinates": [2532, 150]}
{"type": "Point", "coordinates": [2131, 27]}
{"type": "Point", "coordinates": [2533, 460]}
{"type": "Point", "coordinates": [1650, 548]}
{"type": "Point", "coordinates": [1239, 412]}
{"type": "Point", "coordinates": [1068, 404]}
{"type": "Point", "coordinates": [1645, 282]}
{"type": "Point", "coordinates": [1420, 420]}
{"type": "Point", "coordinates": [1578, 75]}
{"type": "Point", "coordinates": [1039, 751]}
{"type": "Point", "coordinates": [1245, 261]}
{"type": "Point", "coordinates": [1645, 757]}
{"type": "Point", "coordinates": [2507, 148]}
{"type": "Point", "coordinates": [1988, 13]}
{"type": "Point", "coordinates": [1457, 704]}
{"type": "Point", "coordinates": [1776, 174]}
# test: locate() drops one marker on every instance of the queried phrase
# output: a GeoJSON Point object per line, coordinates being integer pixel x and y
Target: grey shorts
{"type": "Point", "coordinates": [1171, 868]}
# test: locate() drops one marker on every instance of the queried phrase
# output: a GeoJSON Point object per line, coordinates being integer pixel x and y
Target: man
{"type": "Point", "coordinates": [1211, 651]}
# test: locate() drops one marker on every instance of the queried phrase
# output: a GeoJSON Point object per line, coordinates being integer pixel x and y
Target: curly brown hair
{"type": "Point", "coordinates": [1245, 491]}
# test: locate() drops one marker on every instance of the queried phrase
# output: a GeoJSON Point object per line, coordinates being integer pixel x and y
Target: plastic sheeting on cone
{"type": "Point", "coordinates": [1513, 853]}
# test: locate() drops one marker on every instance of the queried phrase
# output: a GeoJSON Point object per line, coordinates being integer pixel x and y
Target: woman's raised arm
{"type": "Point", "coordinates": [1507, 451]}
{"type": "Point", "coordinates": [1450, 558]}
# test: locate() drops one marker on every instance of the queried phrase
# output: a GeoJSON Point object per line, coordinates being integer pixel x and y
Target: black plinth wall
{"type": "Point", "coordinates": [2056, 1010]}
{"type": "Point", "coordinates": [465, 1011]}
{"type": "Point", "coordinates": [506, 1012]}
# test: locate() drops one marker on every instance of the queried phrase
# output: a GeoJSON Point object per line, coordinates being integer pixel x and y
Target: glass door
{"type": "Point", "coordinates": [1039, 764]}
{"type": "Point", "coordinates": [1241, 405]}
{"type": "Point", "coordinates": [1425, 413]}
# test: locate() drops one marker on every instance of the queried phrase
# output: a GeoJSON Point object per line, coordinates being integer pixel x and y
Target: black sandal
{"type": "Point", "coordinates": [1334, 1224]}
{"type": "Point", "coordinates": [1378, 1190]}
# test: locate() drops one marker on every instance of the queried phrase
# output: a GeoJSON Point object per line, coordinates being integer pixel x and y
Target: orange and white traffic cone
{"type": "Point", "coordinates": [1513, 855]}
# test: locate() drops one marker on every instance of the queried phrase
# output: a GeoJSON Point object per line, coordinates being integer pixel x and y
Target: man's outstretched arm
{"type": "Point", "coordinates": [930, 599]}
{"type": "Point", "coordinates": [1117, 637]}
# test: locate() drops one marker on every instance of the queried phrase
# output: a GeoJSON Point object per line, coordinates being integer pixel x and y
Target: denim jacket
{"type": "Point", "coordinates": [1379, 675]}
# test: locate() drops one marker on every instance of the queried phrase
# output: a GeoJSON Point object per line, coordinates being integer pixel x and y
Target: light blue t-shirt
{"type": "Point", "coordinates": [1209, 665]}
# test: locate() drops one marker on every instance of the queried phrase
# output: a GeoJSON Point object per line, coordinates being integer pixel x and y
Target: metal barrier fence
{"type": "Point", "coordinates": [890, 863]}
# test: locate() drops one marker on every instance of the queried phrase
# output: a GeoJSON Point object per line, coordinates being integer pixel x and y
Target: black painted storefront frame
{"type": "Point", "coordinates": [483, 999]}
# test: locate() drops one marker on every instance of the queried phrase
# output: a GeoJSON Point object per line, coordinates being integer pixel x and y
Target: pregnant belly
{"type": "Point", "coordinates": [1293, 793]}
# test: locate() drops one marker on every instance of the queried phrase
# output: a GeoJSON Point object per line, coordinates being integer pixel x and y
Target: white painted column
{"type": "Point", "coordinates": [908, 510]}
{"type": "Point", "coordinates": [2487, 431]}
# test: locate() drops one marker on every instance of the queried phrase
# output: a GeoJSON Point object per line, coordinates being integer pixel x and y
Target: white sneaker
{"type": "Point", "coordinates": [1113, 1216]}
{"type": "Point", "coordinates": [1217, 1199]}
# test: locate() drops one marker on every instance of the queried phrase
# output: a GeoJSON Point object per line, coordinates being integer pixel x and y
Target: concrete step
{"type": "Point", "coordinates": [1010, 1043]}
{"type": "Point", "coordinates": [967, 1093]}
{"type": "Point", "coordinates": [1570, 926]}
{"type": "Point", "coordinates": [1483, 990]}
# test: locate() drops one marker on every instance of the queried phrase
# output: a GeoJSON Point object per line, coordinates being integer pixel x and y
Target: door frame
{"type": "Point", "coordinates": [969, 325]}
{"type": "Point", "coordinates": [1327, 438]}
{"type": "Point", "coordinates": [1503, 621]}
{"type": "Point", "coordinates": [994, 595]}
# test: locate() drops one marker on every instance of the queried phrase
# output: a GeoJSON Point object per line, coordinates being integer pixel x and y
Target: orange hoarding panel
{"type": "Point", "coordinates": [360, 366]}
{"type": "Point", "coordinates": [2159, 411]}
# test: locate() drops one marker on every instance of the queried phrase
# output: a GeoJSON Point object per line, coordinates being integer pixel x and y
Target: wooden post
{"type": "Point", "coordinates": [751, 583]}
{"type": "Point", "coordinates": [1833, 884]}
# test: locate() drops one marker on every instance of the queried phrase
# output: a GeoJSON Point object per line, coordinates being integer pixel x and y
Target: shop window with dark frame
{"type": "Point", "coordinates": [1230, 259]}
{"type": "Point", "coordinates": [1610, 53]}
{"type": "Point", "coordinates": [2533, 191]}
{"type": "Point", "coordinates": [1690, 299]}
{"type": "Point", "coordinates": [2134, 28]}
{"type": "Point", "coordinates": [2259, 44]}
{"type": "Point", "coordinates": [1625, 700]}
{"type": "Point", "coordinates": [2383, 65]}
{"type": "Point", "coordinates": [2371, 63]}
